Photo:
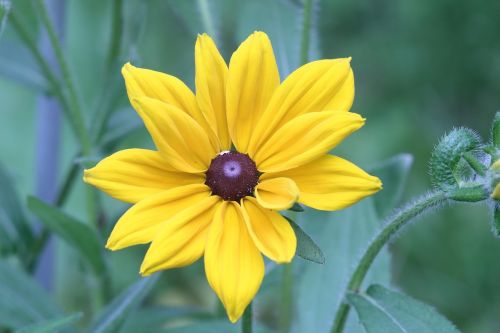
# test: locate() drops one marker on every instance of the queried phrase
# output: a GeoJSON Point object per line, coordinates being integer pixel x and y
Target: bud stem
{"type": "Point", "coordinates": [391, 227]}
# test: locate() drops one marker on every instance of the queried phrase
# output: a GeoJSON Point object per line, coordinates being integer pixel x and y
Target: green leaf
{"type": "Point", "coordinates": [393, 173]}
{"type": "Point", "coordinates": [53, 325]}
{"type": "Point", "coordinates": [320, 288]}
{"type": "Point", "coordinates": [4, 13]}
{"type": "Point", "coordinates": [213, 326]}
{"type": "Point", "coordinates": [496, 220]}
{"type": "Point", "coordinates": [306, 247]}
{"type": "Point", "coordinates": [281, 21]}
{"type": "Point", "coordinates": [75, 233]}
{"type": "Point", "coordinates": [296, 208]}
{"type": "Point", "coordinates": [115, 313]}
{"type": "Point", "coordinates": [381, 310]}
{"type": "Point", "coordinates": [13, 222]}
{"type": "Point", "coordinates": [22, 300]}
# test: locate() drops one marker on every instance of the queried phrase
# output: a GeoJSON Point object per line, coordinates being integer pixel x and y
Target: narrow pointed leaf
{"type": "Point", "coordinates": [113, 315]}
{"type": "Point", "coordinates": [22, 300]}
{"type": "Point", "coordinates": [77, 234]}
{"type": "Point", "coordinates": [306, 247]}
{"type": "Point", "coordinates": [393, 173]}
{"type": "Point", "coordinates": [13, 221]}
{"type": "Point", "coordinates": [381, 310]}
{"type": "Point", "coordinates": [53, 325]}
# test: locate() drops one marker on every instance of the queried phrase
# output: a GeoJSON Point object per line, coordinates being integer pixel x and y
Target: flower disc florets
{"type": "Point", "coordinates": [232, 175]}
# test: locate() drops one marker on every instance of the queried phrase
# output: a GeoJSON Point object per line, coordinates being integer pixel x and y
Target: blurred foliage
{"type": "Point", "coordinates": [421, 68]}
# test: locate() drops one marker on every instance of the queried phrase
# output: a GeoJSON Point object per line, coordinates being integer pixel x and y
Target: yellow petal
{"type": "Point", "coordinates": [211, 73]}
{"type": "Point", "coordinates": [330, 183]}
{"type": "Point", "coordinates": [305, 138]}
{"type": "Point", "coordinates": [277, 193]}
{"type": "Point", "coordinates": [253, 77]}
{"type": "Point", "coordinates": [142, 222]}
{"type": "Point", "coordinates": [270, 231]}
{"type": "Point", "coordinates": [496, 192]}
{"type": "Point", "coordinates": [176, 135]}
{"type": "Point", "coordinates": [233, 264]}
{"type": "Point", "coordinates": [131, 175]}
{"type": "Point", "coordinates": [181, 240]}
{"type": "Point", "coordinates": [316, 86]}
{"type": "Point", "coordinates": [142, 82]}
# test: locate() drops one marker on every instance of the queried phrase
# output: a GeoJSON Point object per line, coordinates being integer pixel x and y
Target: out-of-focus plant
{"type": "Point", "coordinates": [313, 297]}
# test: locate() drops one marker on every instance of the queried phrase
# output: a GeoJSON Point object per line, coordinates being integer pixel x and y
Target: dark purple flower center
{"type": "Point", "coordinates": [232, 175]}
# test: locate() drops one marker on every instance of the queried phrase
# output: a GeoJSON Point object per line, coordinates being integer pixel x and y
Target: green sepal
{"type": "Point", "coordinates": [296, 208]}
{"type": "Point", "coordinates": [495, 130]}
{"type": "Point", "coordinates": [306, 247]}
{"type": "Point", "coordinates": [443, 167]}
{"type": "Point", "coordinates": [468, 194]}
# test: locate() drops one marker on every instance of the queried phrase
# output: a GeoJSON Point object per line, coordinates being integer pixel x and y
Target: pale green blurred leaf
{"type": "Point", "coordinates": [213, 326]}
{"type": "Point", "coordinates": [153, 318]}
{"type": "Point", "coordinates": [381, 310]}
{"type": "Point", "coordinates": [15, 229]}
{"type": "Point", "coordinates": [116, 312]}
{"type": "Point", "coordinates": [75, 233]}
{"type": "Point", "coordinates": [393, 173]}
{"type": "Point", "coordinates": [53, 325]}
{"type": "Point", "coordinates": [4, 14]}
{"type": "Point", "coordinates": [306, 247]}
{"type": "Point", "coordinates": [342, 236]}
{"type": "Point", "coordinates": [22, 300]}
{"type": "Point", "coordinates": [281, 21]}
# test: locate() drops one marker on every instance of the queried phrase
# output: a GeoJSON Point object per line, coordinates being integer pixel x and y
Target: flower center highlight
{"type": "Point", "coordinates": [232, 175]}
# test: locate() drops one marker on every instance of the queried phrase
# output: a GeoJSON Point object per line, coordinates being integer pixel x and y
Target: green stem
{"type": "Point", "coordinates": [77, 113]}
{"type": "Point", "coordinates": [246, 325]}
{"type": "Point", "coordinates": [393, 225]}
{"type": "Point", "coordinates": [306, 31]}
{"type": "Point", "coordinates": [286, 298]}
{"type": "Point", "coordinates": [206, 17]}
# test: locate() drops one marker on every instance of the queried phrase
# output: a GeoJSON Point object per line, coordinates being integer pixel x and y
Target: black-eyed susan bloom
{"type": "Point", "coordinates": [228, 159]}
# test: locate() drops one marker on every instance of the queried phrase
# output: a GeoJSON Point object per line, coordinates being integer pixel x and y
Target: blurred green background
{"type": "Point", "coordinates": [421, 68]}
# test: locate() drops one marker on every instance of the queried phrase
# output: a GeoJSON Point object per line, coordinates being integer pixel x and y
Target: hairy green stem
{"type": "Point", "coordinates": [74, 104]}
{"type": "Point", "coordinates": [246, 325]}
{"type": "Point", "coordinates": [206, 17]}
{"type": "Point", "coordinates": [306, 31]}
{"type": "Point", "coordinates": [392, 226]}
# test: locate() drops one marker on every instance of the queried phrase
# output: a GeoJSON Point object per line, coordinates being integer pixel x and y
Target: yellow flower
{"type": "Point", "coordinates": [196, 196]}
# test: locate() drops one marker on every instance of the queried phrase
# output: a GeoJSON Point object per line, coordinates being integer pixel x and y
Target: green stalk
{"type": "Point", "coordinates": [74, 104]}
{"type": "Point", "coordinates": [246, 325]}
{"type": "Point", "coordinates": [116, 33]}
{"type": "Point", "coordinates": [286, 298]}
{"type": "Point", "coordinates": [393, 225]}
{"type": "Point", "coordinates": [306, 31]}
{"type": "Point", "coordinates": [206, 17]}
